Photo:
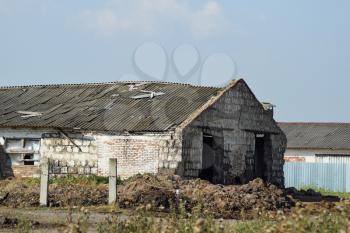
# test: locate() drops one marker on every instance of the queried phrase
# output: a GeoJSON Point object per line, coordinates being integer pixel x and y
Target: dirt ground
{"type": "Point", "coordinates": [54, 219]}
{"type": "Point", "coordinates": [19, 200]}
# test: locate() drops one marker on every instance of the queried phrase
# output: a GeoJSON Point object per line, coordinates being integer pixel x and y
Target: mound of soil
{"type": "Point", "coordinates": [221, 201]}
{"type": "Point", "coordinates": [162, 192]}
{"type": "Point", "coordinates": [18, 193]}
{"type": "Point", "coordinates": [146, 189]}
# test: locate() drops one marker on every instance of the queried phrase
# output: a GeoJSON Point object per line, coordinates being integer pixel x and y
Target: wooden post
{"type": "Point", "coordinates": [44, 182]}
{"type": "Point", "coordinates": [112, 197]}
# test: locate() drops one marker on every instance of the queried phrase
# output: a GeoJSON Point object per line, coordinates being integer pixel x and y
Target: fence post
{"type": "Point", "coordinates": [44, 182]}
{"type": "Point", "coordinates": [112, 197]}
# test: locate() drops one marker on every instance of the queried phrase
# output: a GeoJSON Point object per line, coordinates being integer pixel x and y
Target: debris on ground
{"type": "Point", "coordinates": [17, 193]}
{"type": "Point", "coordinates": [310, 195]}
{"type": "Point", "coordinates": [8, 222]}
{"type": "Point", "coordinates": [160, 191]}
{"type": "Point", "coordinates": [222, 201]}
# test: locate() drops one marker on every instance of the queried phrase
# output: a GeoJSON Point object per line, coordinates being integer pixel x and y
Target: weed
{"type": "Point", "coordinates": [23, 226]}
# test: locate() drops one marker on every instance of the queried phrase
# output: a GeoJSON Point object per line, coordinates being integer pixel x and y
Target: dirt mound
{"type": "Point", "coordinates": [17, 193]}
{"type": "Point", "coordinates": [221, 201]}
{"type": "Point", "coordinates": [147, 189]}
{"type": "Point", "coordinates": [77, 195]}
{"type": "Point", "coordinates": [162, 192]}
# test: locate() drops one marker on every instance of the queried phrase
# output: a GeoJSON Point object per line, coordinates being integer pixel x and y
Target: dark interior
{"type": "Point", "coordinates": [259, 160]}
{"type": "Point", "coordinates": [208, 159]}
{"type": "Point", "coordinates": [28, 159]}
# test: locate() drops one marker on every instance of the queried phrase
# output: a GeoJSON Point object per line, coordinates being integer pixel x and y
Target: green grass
{"type": "Point", "coordinates": [325, 191]}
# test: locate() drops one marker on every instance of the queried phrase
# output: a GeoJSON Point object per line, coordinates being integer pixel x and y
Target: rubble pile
{"type": "Point", "coordinates": [162, 192]}
{"type": "Point", "coordinates": [229, 201]}
{"type": "Point", "coordinates": [8, 222]}
{"type": "Point", "coordinates": [147, 189]}
{"type": "Point", "coordinates": [221, 201]}
{"type": "Point", "coordinates": [310, 195]}
{"type": "Point", "coordinates": [77, 195]}
{"type": "Point", "coordinates": [17, 194]}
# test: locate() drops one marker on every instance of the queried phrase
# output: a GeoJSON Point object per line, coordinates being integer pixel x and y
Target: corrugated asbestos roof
{"type": "Point", "coordinates": [317, 135]}
{"type": "Point", "coordinates": [102, 107]}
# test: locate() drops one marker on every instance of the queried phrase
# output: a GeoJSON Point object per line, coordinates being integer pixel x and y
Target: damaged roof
{"type": "Point", "coordinates": [317, 135]}
{"type": "Point", "coordinates": [118, 106]}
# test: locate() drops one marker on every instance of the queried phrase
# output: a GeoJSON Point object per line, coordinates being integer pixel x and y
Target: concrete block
{"type": "Point", "coordinates": [86, 142]}
{"type": "Point", "coordinates": [59, 149]}
{"type": "Point", "coordinates": [72, 170]}
{"type": "Point", "coordinates": [69, 149]}
{"type": "Point", "coordinates": [76, 149]}
{"type": "Point", "coordinates": [62, 163]}
{"type": "Point", "coordinates": [64, 170]}
{"type": "Point", "coordinates": [81, 170]}
{"type": "Point", "coordinates": [87, 170]}
{"type": "Point", "coordinates": [93, 150]}
{"type": "Point", "coordinates": [85, 149]}
{"type": "Point", "coordinates": [71, 163]}
{"type": "Point", "coordinates": [56, 163]}
{"type": "Point", "coordinates": [91, 163]}
{"type": "Point", "coordinates": [56, 170]}
{"type": "Point", "coordinates": [94, 171]}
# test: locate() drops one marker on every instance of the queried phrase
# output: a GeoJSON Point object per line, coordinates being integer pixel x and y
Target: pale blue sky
{"type": "Point", "coordinates": [295, 54]}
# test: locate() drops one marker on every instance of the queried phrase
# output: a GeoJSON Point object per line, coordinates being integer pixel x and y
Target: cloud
{"type": "Point", "coordinates": [154, 15]}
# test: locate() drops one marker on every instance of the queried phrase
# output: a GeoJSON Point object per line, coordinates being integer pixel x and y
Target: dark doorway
{"type": "Point", "coordinates": [259, 160]}
{"type": "Point", "coordinates": [208, 158]}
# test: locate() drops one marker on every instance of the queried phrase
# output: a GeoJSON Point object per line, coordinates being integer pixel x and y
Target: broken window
{"type": "Point", "coordinates": [22, 151]}
{"type": "Point", "coordinates": [28, 159]}
{"type": "Point", "coordinates": [13, 144]}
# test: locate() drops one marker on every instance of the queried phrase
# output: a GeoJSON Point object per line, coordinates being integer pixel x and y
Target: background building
{"type": "Point", "coordinates": [317, 155]}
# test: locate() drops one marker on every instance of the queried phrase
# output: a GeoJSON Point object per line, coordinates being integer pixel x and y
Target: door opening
{"type": "Point", "coordinates": [208, 158]}
{"type": "Point", "coordinates": [259, 160]}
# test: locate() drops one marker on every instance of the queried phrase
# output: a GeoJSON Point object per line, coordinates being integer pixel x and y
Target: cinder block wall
{"type": "Point", "coordinates": [239, 116]}
{"type": "Point", "coordinates": [66, 157]}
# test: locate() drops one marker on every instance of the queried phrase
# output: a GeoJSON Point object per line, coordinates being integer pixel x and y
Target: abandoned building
{"type": "Point", "coordinates": [224, 135]}
{"type": "Point", "coordinates": [317, 142]}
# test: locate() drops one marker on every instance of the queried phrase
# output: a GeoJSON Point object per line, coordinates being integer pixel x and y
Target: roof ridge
{"type": "Point", "coordinates": [104, 83]}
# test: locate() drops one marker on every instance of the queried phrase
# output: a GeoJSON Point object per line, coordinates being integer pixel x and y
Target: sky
{"type": "Point", "coordinates": [294, 54]}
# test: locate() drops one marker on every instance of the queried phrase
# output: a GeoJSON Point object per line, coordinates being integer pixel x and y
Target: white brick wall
{"type": "Point", "coordinates": [136, 154]}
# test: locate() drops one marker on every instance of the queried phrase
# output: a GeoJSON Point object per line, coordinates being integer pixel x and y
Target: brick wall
{"type": "Point", "coordinates": [26, 170]}
{"type": "Point", "coordinates": [138, 154]}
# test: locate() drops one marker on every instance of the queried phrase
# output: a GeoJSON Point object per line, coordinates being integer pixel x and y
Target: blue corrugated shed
{"type": "Point", "coordinates": [332, 176]}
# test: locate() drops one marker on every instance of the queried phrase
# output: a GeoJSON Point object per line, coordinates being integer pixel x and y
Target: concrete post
{"type": "Point", "coordinates": [44, 182]}
{"type": "Point", "coordinates": [112, 197]}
